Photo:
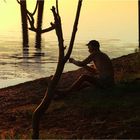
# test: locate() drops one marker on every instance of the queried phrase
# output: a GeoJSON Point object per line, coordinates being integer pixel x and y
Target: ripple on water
{"type": "Point", "coordinates": [18, 65]}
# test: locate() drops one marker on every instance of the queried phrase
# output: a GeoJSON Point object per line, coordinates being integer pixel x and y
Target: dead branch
{"type": "Point", "coordinates": [57, 9]}
{"type": "Point", "coordinates": [52, 85]}
{"type": "Point", "coordinates": [30, 17]}
{"type": "Point", "coordinates": [18, 2]}
{"type": "Point", "coordinates": [74, 31]}
{"type": "Point", "coordinates": [52, 27]}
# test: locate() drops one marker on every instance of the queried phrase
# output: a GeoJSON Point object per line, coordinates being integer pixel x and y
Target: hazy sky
{"type": "Point", "coordinates": [106, 19]}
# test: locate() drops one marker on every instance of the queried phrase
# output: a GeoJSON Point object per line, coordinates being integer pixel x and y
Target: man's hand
{"type": "Point", "coordinates": [91, 69]}
{"type": "Point", "coordinates": [71, 60]}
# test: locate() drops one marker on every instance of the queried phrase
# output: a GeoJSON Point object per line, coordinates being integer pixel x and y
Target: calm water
{"type": "Point", "coordinates": [17, 66]}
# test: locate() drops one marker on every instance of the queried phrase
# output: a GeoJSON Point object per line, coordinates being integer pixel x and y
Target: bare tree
{"type": "Point", "coordinates": [39, 31]}
{"type": "Point", "coordinates": [40, 110]}
{"type": "Point", "coordinates": [28, 16]}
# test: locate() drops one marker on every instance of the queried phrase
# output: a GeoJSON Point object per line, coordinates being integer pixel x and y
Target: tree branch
{"type": "Point", "coordinates": [30, 17]}
{"type": "Point", "coordinates": [74, 31]}
{"type": "Point", "coordinates": [44, 30]}
{"type": "Point", "coordinates": [58, 26]}
{"type": "Point", "coordinates": [18, 2]}
{"type": "Point", "coordinates": [57, 9]}
{"type": "Point", "coordinates": [40, 110]}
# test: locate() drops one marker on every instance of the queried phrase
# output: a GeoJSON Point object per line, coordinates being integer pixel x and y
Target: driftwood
{"type": "Point", "coordinates": [40, 110]}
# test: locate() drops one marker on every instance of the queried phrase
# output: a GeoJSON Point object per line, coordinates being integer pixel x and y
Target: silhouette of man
{"type": "Point", "coordinates": [102, 73]}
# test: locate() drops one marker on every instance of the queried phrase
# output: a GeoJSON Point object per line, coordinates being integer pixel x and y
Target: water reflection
{"type": "Point", "coordinates": [32, 62]}
{"type": "Point", "coordinates": [25, 54]}
{"type": "Point", "coordinates": [18, 65]}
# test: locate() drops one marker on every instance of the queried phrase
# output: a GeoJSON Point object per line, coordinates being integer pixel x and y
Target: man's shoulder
{"type": "Point", "coordinates": [101, 54]}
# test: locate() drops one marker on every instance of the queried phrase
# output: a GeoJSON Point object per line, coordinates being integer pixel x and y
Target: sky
{"type": "Point", "coordinates": [103, 19]}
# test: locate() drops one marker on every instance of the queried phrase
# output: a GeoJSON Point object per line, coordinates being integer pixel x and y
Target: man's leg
{"type": "Point", "coordinates": [79, 83]}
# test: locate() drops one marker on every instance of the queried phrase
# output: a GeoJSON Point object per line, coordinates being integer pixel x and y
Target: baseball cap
{"type": "Point", "coordinates": [93, 43]}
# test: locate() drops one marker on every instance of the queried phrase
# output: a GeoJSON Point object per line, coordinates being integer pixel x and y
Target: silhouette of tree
{"type": "Point", "coordinates": [40, 110]}
{"type": "Point", "coordinates": [23, 8]}
{"type": "Point", "coordinates": [38, 29]}
{"type": "Point", "coordinates": [28, 16]}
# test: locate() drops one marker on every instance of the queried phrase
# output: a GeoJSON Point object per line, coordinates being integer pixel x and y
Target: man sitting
{"type": "Point", "coordinates": [102, 73]}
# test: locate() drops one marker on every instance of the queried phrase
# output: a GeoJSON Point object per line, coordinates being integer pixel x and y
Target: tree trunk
{"type": "Point", "coordinates": [39, 112]}
{"type": "Point", "coordinates": [39, 23]}
{"type": "Point", "coordinates": [24, 23]}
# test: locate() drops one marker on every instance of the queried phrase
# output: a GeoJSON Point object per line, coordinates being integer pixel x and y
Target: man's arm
{"type": "Point", "coordinates": [82, 63]}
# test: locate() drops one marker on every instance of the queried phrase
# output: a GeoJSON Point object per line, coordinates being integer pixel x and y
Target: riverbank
{"type": "Point", "coordinates": [113, 113]}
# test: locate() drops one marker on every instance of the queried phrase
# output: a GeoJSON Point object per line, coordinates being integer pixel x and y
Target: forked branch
{"type": "Point", "coordinates": [30, 17]}
{"type": "Point", "coordinates": [40, 110]}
